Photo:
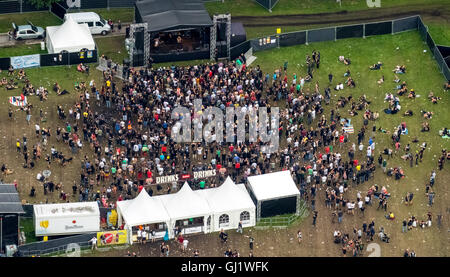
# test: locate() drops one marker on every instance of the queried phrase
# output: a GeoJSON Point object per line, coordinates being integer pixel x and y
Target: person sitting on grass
{"type": "Point", "coordinates": [21, 74]}
{"type": "Point", "coordinates": [381, 80]}
{"type": "Point", "coordinates": [425, 127]}
{"type": "Point", "coordinates": [4, 81]}
{"type": "Point", "coordinates": [412, 94]}
{"type": "Point", "coordinates": [408, 113]}
{"type": "Point", "coordinates": [396, 79]}
{"type": "Point", "coordinates": [400, 69]}
{"type": "Point", "coordinates": [350, 82]}
{"type": "Point", "coordinates": [347, 73]}
{"type": "Point", "coordinates": [402, 90]}
{"type": "Point", "coordinates": [339, 86]}
{"type": "Point", "coordinates": [376, 66]}
{"type": "Point", "coordinates": [11, 85]}
{"type": "Point", "coordinates": [11, 71]}
{"type": "Point", "coordinates": [435, 99]}
{"type": "Point", "coordinates": [347, 61]}
{"type": "Point", "coordinates": [427, 115]}
{"type": "Point", "coordinates": [447, 86]}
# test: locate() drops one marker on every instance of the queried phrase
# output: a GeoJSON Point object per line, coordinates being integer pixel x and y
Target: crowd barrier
{"type": "Point", "coordinates": [64, 245]}
{"type": "Point", "coordinates": [76, 58]}
{"type": "Point", "coordinates": [357, 31]}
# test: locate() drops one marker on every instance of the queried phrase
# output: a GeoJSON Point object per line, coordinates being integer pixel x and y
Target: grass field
{"type": "Point", "coordinates": [112, 47]}
{"type": "Point", "coordinates": [41, 19]}
{"type": "Point", "coordinates": [20, 50]}
{"type": "Point", "coordinates": [286, 7]}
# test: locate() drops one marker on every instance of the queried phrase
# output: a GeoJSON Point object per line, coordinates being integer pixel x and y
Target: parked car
{"type": "Point", "coordinates": [28, 31]}
{"type": "Point", "coordinates": [96, 24]}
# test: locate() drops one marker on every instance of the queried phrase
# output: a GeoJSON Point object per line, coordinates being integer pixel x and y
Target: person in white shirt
{"type": "Point", "coordinates": [139, 236]}
{"type": "Point", "coordinates": [361, 147]}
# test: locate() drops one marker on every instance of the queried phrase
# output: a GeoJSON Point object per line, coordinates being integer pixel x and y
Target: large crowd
{"type": "Point", "coordinates": [129, 128]}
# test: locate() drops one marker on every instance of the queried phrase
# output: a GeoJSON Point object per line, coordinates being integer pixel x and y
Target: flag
{"type": "Point", "coordinates": [349, 129]}
{"type": "Point", "coordinates": [16, 101]}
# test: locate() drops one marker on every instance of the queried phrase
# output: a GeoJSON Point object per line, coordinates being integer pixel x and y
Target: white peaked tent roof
{"type": "Point", "coordinates": [273, 185]}
{"type": "Point", "coordinates": [229, 196]}
{"type": "Point", "coordinates": [143, 210]}
{"type": "Point", "coordinates": [185, 204]}
{"type": "Point", "coordinates": [70, 36]}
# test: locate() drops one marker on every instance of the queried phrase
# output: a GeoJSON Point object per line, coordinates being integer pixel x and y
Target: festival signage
{"type": "Point", "coordinates": [26, 61]}
{"type": "Point", "coordinates": [112, 237]}
{"type": "Point", "coordinates": [192, 230]}
{"type": "Point", "coordinates": [183, 177]}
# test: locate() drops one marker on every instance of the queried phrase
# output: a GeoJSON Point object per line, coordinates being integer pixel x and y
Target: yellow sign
{"type": "Point", "coordinates": [113, 218]}
{"type": "Point", "coordinates": [112, 237]}
{"type": "Point", "coordinates": [44, 224]}
{"type": "Point", "coordinates": [45, 238]}
{"type": "Point", "coordinates": [278, 30]}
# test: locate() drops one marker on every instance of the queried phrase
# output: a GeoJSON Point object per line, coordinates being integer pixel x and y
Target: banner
{"type": "Point", "coordinates": [112, 237]}
{"type": "Point", "coordinates": [16, 101]}
{"type": "Point", "coordinates": [26, 61]}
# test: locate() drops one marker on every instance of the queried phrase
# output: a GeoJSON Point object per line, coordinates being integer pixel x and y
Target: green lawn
{"type": "Point", "coordinates": [112, 47]}
{"type": "Point", "coordinates": [42, 19]}
{"type": "Point", "coordinates": [20, 50]}
{"type": "Point", "coordinates": [285, 7]}
{"type": "Point", "coordinates": [28, 229]}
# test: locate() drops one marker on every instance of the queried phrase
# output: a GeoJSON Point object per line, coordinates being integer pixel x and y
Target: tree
{"type": "Point", "coordinates": [42, 3]}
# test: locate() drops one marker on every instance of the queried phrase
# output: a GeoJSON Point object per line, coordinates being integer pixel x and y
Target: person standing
{"type": "Point", "coordinates": [340, 214]}
{"type": "Point", "coordinates": [93, 242]}
{"type": "Point", "coordinates": [430, 198]}
{"type": "Point", "coordinates": [239, 229]}
{"type": "Point", "coordinates": [299, 236]}
{"type": "Point", "coordinates": [315, 218]}
{"type": "Point", "coordinates": [404, 226]}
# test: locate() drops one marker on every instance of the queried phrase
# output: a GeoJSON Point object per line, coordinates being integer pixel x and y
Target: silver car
{"type": "Point", "coordinates": [28, 31]}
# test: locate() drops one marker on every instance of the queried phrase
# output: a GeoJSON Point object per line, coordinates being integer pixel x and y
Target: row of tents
{"type": "Point", "coordinates": [210, 210]}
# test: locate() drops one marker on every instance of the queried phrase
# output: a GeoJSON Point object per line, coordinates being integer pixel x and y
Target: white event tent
{"type": "Point", "coordinates": [275, 193]}
{"type": "Point", "coordinates": [142, 210]}
{"type": "Point", "coordinates": [70, 36]}
{"type": "Point", "coordinates": [229, 203]}
{"type": "Point", "coordinates": [183, 206]}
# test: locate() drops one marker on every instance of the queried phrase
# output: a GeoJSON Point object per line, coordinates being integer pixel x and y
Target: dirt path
{"type": "Point", "coordinates": [434, 12]}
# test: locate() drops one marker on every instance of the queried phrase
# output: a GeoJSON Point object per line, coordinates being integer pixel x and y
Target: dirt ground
{"type": "Point", "coordinates": [317, 241]}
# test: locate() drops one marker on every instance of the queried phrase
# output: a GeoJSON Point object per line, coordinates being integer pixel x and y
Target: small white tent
{"type": "Point", "coordinates": [230, 203]}
{"type": "Point", "coordinates": [142, 210]}
{"type": "Point", "coordinates": [70, 36]}
{"type": "Point", "coordinates": [184, 205]}
{"type": "Point", "coordinates": [274, 193]}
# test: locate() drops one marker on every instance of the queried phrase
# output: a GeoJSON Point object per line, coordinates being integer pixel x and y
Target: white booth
{"type": "Point", "coordinates": [143, 210]}
{"type": "Point", "coordinates": [187, 210]}
{"type": "Point", "coordinates": [66, 218]}
{"type": "Point", "coordinates": [70, 36]}
{"type": "Point", "coordinates": [274, 194]}
{"type": "Point", "coordinates": [229, 203]}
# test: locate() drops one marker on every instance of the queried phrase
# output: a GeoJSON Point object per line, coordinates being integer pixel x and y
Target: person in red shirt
{"type": "Point", "coordinates": [140, 188]}
{"type": "Point", "coordinates": [164, 149]}
{"type": "Point", "coordinates": [149, 174]}
{"type": "Point", "coordinates": [237, 166]}
{"type": "Point", "coordinates": [231, 148]}
{"type": "Point", "coordinates": [218, 166]}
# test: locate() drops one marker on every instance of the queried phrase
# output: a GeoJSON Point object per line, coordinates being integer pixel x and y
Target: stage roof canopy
{"type": "Point", "coordinates": [166, 15]}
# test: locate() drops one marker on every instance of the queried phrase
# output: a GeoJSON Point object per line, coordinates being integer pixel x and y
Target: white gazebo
{"type": "Point", "coordinates": [274, 194]}
{"type": "Point", "coordinates": [70, 36]}
{"type": "Point", "coordinates": [143, 210]}
{"type": "Point", "coordinates": [187, 209]}
{"type": "Point", "coordinates": [229, 203]}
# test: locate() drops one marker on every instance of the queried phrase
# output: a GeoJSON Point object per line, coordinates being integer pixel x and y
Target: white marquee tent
{"type": "Point", "coordinates": [70, 36]}
{"type": "Point", "coordinates": [184, 205]}
{"type": "Point", "coordinates": [141, 210]}
{"type": "Point", "coordinates": [229, 203]}
{"type": "Point", "coordinates": [274, 193]}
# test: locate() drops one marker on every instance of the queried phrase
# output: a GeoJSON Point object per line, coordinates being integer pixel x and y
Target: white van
{"type": "Point", "coordinates": [96, 24]}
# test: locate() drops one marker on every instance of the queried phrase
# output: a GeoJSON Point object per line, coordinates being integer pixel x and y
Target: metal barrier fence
{"type": "Point", "coordinates": [118, 70]}
{"type": "Point", "coordinates": [285, 220]}
{"type": "Point", "coordinates": [61, 245]}
{"type": "Point", "coordinates": [354, 31]}
{"type": "Point", "coordinates": [71, 250]}
{"type": "Point", "coordinates": [75, 58]}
